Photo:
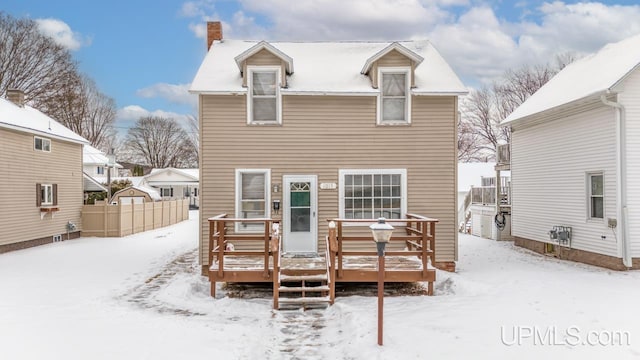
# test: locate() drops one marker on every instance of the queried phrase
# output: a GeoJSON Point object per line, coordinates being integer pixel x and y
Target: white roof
{"type": "Point", "coordinates": [91, 184]}
{"type": "Point", "coordinates": [324, 67]}
{"type": "Point", "coordinates": [589, 76]}
{"type": "Point", "coordinates": [470, 174]}
{"type": "Point", "coordinates": [30, 120]}
{"type": "Point", "coordinates": [135, 180]}
{"type": "Point", "coordinates": [153, 193]}
{"type": "Point", "coordinates": [93, 156]}
{"type": "Point", "coordinates": [192, 173]}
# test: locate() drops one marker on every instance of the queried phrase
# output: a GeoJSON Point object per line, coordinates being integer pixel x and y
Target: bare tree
{"type": "Point", "coordinates": [160, 142]}
{"type": "Point", "coordinates": [81, 107]}
{"type": "Point", "coordinates": [194, 135]}
{"type": "Point", "coordinates": [468, 150]}
{"type": "Point", "coordinates": [484, 109]}
{"type": "Point", "coordinates": [31, 61]}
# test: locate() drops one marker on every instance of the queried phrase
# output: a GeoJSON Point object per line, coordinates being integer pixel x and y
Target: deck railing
{"type": "Point", "coordinates": [419, 237]}
{"type": "Point", "coordinates": [219, 238]}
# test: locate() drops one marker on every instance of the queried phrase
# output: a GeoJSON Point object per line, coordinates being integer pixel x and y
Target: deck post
{"type": "Point", "coordinates": [221, 247]}
{"type": "Point", "coordinates": [340, 272]}
{"type": "Point", "coordinates": [333, 247]}
{"type": "Point", "coordinates": [267, 233]}
{"type": "Point", "coordinates": [424, 241]}
{"type": "Point", "coordinates": [432, 241]}
{"type": "Point", "coordinates": [212, 230]}
{"type": "Point", "coordinates": [275, 248]}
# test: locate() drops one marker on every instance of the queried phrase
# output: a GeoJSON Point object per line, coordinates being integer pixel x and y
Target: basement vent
{"type": "Point", "coordinates": [561, 235]}
{"type": "Point", "coordinates": [57, 238]}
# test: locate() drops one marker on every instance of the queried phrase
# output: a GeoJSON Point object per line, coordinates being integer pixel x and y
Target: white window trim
{"type": "Point", "coordinates": [48, 189]}
{"type": "Point", "coordinates": [403, 182]}
{"type": "Point", "coordinates": [588, 176]}
{"type": "Point", "coordinates": [395, 70]}
{"type": "Point", "coordinates": [267, 195]}
{"type": "Point", "coordinates": [43, 141]}
{"type": "Point", "coordinates": [250, 71]}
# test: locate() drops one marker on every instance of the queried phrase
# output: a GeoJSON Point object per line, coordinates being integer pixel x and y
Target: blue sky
{"type": "Point", "coordinates": [144, 54]}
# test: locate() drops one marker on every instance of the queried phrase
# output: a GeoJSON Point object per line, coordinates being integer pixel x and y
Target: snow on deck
{"type": "Point", "coordinates": [141, 297]}
{"type": "Point", "coordinates": [392, 263]}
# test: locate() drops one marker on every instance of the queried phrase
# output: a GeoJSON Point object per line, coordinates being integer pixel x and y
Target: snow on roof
{"type": "Point", "coordinates": [264, 45]}
{"type": "Point", "coordinates": [394, 46]}
{"type": "Point", "coordinates": [153, 193]}
{"type": "Point", "coordinates": [470, 174]}
{"type": "Point", "coordinates": [91, 184]}
{"type": "Point", "coordinates": [325, 67]}
{"type": "Point", "coordinates": [93, 156]}
{"type": "Point", "coordinates": [592, 75]}
{"type": "Point", "coordinates": [194, 173]}
{"type": "Point", "coordinates": [33, 121]}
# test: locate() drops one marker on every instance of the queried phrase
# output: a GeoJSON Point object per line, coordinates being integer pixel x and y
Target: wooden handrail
{"type": "Point", "coordinates": [420, 235]}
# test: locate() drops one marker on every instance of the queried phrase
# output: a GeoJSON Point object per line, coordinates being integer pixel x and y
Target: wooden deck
{"type": "Point", "coordinates": [336, 265]}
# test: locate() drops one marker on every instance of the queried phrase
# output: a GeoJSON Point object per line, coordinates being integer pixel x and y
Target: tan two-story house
{"type": "Point", "coordinates": [40, 175]}
{"type": "Point", "coordinates": [310, 131]}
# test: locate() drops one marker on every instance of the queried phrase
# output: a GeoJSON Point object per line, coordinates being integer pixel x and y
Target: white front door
{"type": "Point", "coordinates": [300, 221]}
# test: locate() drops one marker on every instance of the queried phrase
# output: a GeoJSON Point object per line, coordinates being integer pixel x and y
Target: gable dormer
{"type": "Point", "coordinates": [264, 54]}
{"type": "Point", "coordinates": [393, 56]}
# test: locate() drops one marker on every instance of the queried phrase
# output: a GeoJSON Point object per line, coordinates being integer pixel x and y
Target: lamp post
{"type": "Point", "coordinates": [111, 162]}
{"type": "Point", "coordinates": [381, 235]}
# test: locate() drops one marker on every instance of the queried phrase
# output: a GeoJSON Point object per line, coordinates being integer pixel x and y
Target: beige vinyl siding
{"type": "Point", "coordinates": [22, 168]}
{"type": "Point", "coordinates": [548, 177]}
{"type": "Point", "coordinates": [321, 135]}
{"type": "Point", "coordinates": [392, 59]}
{"type": "Point", "coordinates": [630, 98]}
{"type": "Point", "coordinates": [264, 58]}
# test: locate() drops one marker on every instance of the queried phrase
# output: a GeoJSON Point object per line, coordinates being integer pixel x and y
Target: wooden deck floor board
{"type": "Point", "coordinates": [392, 263]}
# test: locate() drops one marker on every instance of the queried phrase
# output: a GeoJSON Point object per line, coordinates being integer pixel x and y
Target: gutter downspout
{"type": "Point", "coordinates": [621, 172]}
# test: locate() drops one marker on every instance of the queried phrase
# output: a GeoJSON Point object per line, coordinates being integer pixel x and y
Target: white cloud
{"type": "Point", "coordinates": [61, 33]}
{"type": "Point", "coordinates": [175, 93]}
{"type": "Point", "coordinates": [132, 113]}
{"type": "Point", "coordinates": [479, 45]}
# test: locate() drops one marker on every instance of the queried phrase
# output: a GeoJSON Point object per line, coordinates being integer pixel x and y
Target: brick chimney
{"type": "Point", "coordinates": [16, 96]}
{"type": "Point", "coordinates": [214, 32]}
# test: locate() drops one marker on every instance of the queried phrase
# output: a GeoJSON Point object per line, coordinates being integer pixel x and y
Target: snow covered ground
{"type": "Point", "coordinates": [141, 297]}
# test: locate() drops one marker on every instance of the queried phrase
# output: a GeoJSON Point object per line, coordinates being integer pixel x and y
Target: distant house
{"type": "Point", "coordinates": [94, 164]}
{"type": "Point", "coordinates": [302, 132]}
{"type": "Point", "coordinates": [42, 178]}
{"type": "Point", "coordinates": [174, 183]}
{"type": "Point", "coordinates": [575, 155]}
{"type": "Point", "coordinates": [478, 205]}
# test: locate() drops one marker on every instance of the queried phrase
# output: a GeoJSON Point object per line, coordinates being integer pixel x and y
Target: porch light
{"type": "Point", "coordinates": [381, 235]}
{"type": "Point", "coordinates": [381, 231]}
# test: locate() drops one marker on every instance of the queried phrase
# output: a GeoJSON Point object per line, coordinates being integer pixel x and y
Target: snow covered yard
{"type": "Point", "coordinates": [141, 297]}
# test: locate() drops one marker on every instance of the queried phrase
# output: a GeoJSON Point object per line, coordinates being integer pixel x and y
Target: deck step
{"type": "Point", "coordinates": [304, 300]}
{"type": "Point", "coordinates": [303, 288]}
{"type": "Point", "coordinates": [318, 277]}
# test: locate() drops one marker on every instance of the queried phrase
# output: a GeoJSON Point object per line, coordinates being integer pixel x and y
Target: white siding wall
{"type": "Point", "coordinates": [630, 98]}
{"type": "Point", "coordinates": [549, 166]}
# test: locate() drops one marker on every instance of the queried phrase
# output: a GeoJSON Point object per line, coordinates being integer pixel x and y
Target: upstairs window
{"type": "Point", "coordinates": [100, 170]}
{"type": "Point", "coordinates": [596, 195]}
{"type": "Point", "coordinates": [264, 96]}
{"type": "Point", "coordinates": [41, 144]}
{"type": "Point", "coordinates": [395, 100]}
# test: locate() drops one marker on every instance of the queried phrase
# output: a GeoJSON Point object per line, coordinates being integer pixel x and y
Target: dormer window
{"type": "Point", "coordinates": [263, 103]}
{"type": "Point", "coordinates": [394, 102]}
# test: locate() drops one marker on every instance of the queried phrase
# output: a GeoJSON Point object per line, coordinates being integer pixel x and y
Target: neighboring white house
{"type": "Point", "coordinates": [575, 161]}
{"type": "Point", "coordinates": [176, 183]}
{"type": "Point", "coordinates": [94, 163]}
{"type": "Point", "coordinates": [477, 200]}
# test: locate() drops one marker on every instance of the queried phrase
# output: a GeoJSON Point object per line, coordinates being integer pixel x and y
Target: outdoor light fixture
{"type": "Point", "coordinates": [381, 235]}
